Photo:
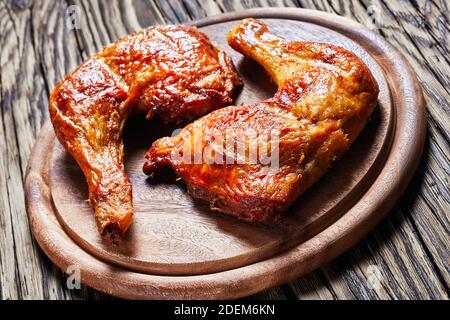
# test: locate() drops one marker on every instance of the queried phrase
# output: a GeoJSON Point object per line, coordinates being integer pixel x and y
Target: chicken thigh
{"type": "Point", "coordinates": [174, 72]}
{"type": "Point", "coordinates": [324, 99]}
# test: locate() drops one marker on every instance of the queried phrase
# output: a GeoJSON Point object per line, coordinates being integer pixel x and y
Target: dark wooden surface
{"type": "Point", "coordinates": [406, 256]}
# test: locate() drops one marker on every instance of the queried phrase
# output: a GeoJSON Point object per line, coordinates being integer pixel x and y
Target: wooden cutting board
{"type": "Point", "coordinates": [177, 247]}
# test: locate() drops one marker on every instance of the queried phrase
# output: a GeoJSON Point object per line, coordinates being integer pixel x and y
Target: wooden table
{"type": "Point", "coordinates": [406, 257]}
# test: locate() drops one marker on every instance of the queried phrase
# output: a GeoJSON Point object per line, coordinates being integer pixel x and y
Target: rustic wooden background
{"type": "Point", "coordinates": [408, 252]}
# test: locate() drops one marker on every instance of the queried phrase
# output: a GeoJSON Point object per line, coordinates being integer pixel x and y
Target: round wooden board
{"type": "Point", "coordinates": [172, 234]}
{"type": "Point", "coordinates": [214, 256]}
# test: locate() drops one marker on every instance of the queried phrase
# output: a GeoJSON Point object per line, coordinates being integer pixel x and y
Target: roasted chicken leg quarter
{"type": "Point", "coordinates": [324, 99]}
{"type": "Point", "coordinates": [174, 72]}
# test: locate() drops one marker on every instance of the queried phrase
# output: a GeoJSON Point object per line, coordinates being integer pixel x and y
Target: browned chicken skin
{"type": "Point", "coordinates": [325, 97]}
{"type": "Point", "coordinates": [174, 72]}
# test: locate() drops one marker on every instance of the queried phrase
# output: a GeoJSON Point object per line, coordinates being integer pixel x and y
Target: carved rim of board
{"type": "Point", "coordinates": [398, 169]}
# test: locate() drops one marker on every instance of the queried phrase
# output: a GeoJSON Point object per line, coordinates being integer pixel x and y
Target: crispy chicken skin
{"type": "Point", "coordinates": [325, 97]}
{"type": "Point", "coordinates": [174, 72]}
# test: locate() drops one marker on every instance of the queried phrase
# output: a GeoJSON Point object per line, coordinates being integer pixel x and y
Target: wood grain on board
{"type": "Point", "coordinates": [410, 248]}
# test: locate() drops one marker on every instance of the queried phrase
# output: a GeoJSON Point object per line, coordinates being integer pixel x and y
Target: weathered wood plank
{"type": "Point", "coordinates": [19, 259]}
{"type": "Point", "coordinates": [313, 286]}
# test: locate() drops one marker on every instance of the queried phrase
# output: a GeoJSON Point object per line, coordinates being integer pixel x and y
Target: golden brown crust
{"type": "Point", "coordinates": [174, 72]}
{"type": "Point", "coordinates": [325, 97]}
